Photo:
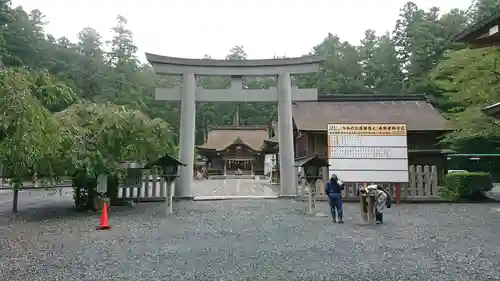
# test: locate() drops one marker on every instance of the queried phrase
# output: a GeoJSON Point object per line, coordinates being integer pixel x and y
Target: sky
{"type": "Point", "coordinates": [193, 28]}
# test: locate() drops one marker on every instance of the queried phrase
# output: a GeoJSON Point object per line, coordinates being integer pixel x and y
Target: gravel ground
{"type": "Point", "coordinates": [252, 240]}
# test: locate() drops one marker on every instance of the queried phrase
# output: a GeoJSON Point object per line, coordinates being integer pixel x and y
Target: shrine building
{"type": "Point", "coordinates": [235, 149]}
{"type": "Point", "coordinates": [425, 124]}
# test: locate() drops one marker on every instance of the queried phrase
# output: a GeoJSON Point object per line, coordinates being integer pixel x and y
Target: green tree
{"type": "Point", "coordinates": [29, 135]}
{"type": "Point", "coordinates": [482, 9]}
{"type": "Point", "coordinates": [98, 137]}
{"type": "Point", "coordinates": [468, 81]}
{"type": "Point", "coordinates": [381, 66]}
{"type": "Point", "coordinates": [342, 72]}
{"type": "Point", "coordinates": [390, 75]}
{"type": "Point", "coordinates": [421, 38]}
{"type": "Point", "coordinates": [91, 70]}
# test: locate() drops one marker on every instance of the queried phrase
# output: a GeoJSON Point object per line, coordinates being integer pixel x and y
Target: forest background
{"type": "Point", "coordinates": [72, 104]}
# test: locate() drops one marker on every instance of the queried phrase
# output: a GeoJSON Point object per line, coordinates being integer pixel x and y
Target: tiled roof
{"type": "Point", "coordinates": [219, 138]}
{"type": "Point", "coordinates": [414, 110]}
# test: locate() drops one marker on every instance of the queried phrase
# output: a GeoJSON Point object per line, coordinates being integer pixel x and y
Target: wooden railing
{"type": "Point", "coordinates": [422, 186]}
{"type": "Point", "coordinates": [152, 188]}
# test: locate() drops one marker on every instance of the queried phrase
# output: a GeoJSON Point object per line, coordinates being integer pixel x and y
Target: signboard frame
{"type": "Point", "coordinates": [368, 153]}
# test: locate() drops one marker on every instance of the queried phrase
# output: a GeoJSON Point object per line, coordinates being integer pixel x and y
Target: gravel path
{"type": "Point", "coordinates": [252, 240]}
{"type": "Point", "coordinates": [36, 198]}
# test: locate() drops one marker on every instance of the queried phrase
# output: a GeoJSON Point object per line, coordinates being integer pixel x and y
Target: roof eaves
{"type": "Point", "coordinates": [238, 140]}
{"type": "Point", "coordinates": [492, 109]}
{"type": "Point", "coordinates": [372, 97]}
{"type": "Point", "coordinates": [475, 28]}
{"type": "Point", "coordinates": [241, 127]}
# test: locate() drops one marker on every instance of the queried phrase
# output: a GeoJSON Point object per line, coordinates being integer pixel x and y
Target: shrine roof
{"type": "Point", "coordinates": [221, 137]}
{"type": "Point", "coordinates": [482, 33]}
{"type": "Point", "coordinates": [273, 139]}
{"type": "Point", "coordinates": [414, 110]}
{"type": "Point", "coordinates": [492, 110]}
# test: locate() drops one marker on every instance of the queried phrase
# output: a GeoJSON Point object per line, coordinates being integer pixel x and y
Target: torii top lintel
{"type": "Point", "coordinates": [264, 67]}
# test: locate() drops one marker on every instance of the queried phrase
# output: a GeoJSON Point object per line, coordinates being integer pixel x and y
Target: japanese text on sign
{"type": "Point", "coordinates": [367, 129]}
{"type": "Point", "coordinates": [345, 140]}
{"type": "Point", "coordinates": [367, 152]}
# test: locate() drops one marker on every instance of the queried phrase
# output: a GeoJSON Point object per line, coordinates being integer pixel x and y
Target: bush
{"type": "Point", "coordinates": [466, 186]}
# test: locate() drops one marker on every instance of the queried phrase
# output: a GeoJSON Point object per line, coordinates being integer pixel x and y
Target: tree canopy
{"type": "Point", "coordinates": [73, 103]}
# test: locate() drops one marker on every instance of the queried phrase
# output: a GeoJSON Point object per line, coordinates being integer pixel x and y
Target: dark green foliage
{"type": "Point", "coordinates": [466, 186]}
{"type": "Point", "coordinates": [85, 191]}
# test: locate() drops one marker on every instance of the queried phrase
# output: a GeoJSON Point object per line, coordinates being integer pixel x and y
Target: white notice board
{"type": "Point", "coordinates": [367, 153]}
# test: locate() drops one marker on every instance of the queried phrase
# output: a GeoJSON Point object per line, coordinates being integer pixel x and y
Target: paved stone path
{"type": "Point", "coordinates": [231, 188]}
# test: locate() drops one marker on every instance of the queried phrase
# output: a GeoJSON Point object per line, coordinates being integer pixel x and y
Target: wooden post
{"type": "Point", "coordinates": [169, 198]}
{"type": "Point", "coordinates": [15, 199]}
{"type": "Point", "coordinates": [163, 192]}
{"type": "Point", "coordinates": [361, 204]}
{"type": "Point", "coordinates": [313, 196]}
{"type": "Point", "coordinates": [371, 208]}
{"type": "Point", "coordinates": [309, 197]}
{"type": "Point", "coordinates": [398, 193]}
{"type": "Point", "coordinates": [302, 183]}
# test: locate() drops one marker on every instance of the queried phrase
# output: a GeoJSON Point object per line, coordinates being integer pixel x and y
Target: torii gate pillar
{"type": "Point", "coordinates": [189, 94]}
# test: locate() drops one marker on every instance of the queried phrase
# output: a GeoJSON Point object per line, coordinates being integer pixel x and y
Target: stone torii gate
{"type": "Point", "coordinates": [190, 93]}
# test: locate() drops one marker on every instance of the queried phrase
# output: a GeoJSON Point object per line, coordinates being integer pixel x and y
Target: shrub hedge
{"type": "Point", "coordinates": [466, 186]}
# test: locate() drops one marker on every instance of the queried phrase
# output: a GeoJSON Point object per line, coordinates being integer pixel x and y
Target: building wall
{"type": "Point", "coordinates": [259, 164]}
{"type": "Point", "coordinates": [217, 163]}
{"type": "Point", "coordinates": [316, 144]}
{"type": "Point", "coordinates": [301, 144]}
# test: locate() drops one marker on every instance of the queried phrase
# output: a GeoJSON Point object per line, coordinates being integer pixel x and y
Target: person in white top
{"type": "Point", "coordinates": [381, 197]}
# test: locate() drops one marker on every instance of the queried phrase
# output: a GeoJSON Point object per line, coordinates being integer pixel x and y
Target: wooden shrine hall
{"type": "Point", "coordinates": [235, 149]}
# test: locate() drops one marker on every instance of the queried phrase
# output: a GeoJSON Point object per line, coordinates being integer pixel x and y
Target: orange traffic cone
{"type": "Point", "coordinates": [104, 219]}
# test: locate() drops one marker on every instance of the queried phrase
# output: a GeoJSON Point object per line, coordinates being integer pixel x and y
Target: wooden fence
{"type": "Point", "coordinates": [422, 186]}
{"type": "Point", "coordinates": [152, 188]}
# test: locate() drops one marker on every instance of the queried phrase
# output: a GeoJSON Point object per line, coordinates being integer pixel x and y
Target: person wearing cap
{"type": "Point", "coordinates": [333, 188]}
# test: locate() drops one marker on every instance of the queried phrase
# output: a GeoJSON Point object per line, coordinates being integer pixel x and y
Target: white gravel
{"type": "Point", "coordinates": [252, 240]}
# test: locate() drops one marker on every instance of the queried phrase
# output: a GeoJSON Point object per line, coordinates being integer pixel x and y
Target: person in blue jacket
{"type": "Point", "coordinates": [333, 188]}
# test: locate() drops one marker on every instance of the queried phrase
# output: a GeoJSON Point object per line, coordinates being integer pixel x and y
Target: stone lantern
{"type": "Point", "coordinates": [310, 168]}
